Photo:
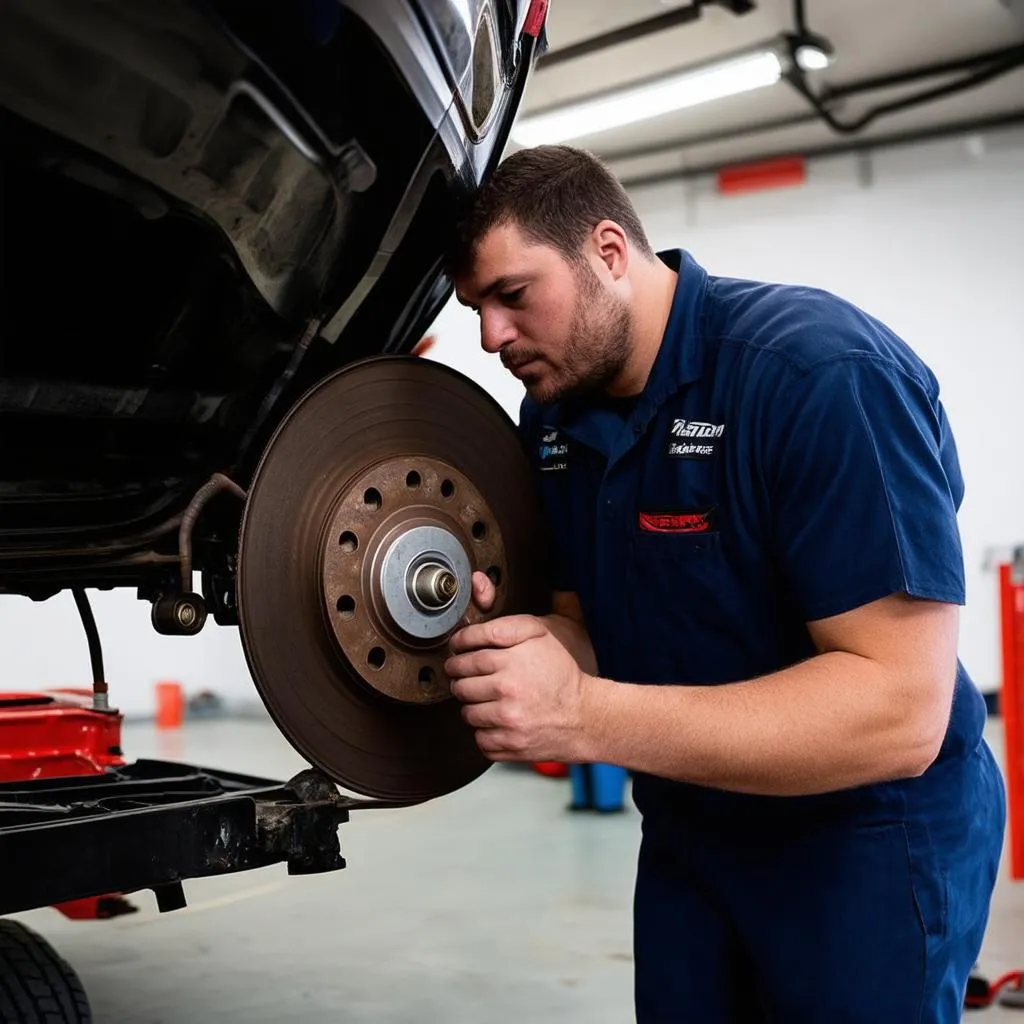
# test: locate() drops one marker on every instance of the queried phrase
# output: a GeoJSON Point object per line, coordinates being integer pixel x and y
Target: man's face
{"type": "Point", "coordinates": [556, 326]}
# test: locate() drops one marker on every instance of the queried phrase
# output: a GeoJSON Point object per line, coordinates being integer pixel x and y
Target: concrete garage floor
{"type": "Point", "coordinates": [490, 905]}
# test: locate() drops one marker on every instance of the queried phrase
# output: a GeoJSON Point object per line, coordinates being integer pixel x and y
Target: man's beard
{"type": "Point", "coordinates": [596, 348]}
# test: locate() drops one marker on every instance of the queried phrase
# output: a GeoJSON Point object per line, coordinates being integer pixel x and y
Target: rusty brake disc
{"type": "Point", "coordinates": [379, 494]}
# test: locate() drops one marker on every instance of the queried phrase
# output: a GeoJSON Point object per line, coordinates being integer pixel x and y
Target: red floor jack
{"type": "Point", "coordinates": [54, 734]}
{"type": "Point", "coordinates": [80, 827]}
{"type": "Point", "coordinates": [61, 733]}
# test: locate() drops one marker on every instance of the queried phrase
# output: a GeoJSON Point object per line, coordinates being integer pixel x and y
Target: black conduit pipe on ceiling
{"type": "Point", "coordinates": [989, 67]}
{"type": "Point", "coordinates": [987, 74]}
{"type": "Point", "coordinates": [911, 75]}
{"type": "Point", "coordinates": [639, 29]}
{"type": "Point", "coordinates": [1014, 119]}
{"type": "Point", "coordinates": [825, 97]}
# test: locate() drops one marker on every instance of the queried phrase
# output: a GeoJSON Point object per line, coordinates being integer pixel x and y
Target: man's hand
{"type": "Point", "coordinates": [523, 691]}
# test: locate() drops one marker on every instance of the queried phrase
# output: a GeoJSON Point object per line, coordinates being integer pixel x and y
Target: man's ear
{"type": "Point", "coordinates": [611, 247]}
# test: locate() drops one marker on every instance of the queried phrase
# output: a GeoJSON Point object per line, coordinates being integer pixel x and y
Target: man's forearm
{"type": "Point", "coordinates": [832, 722]}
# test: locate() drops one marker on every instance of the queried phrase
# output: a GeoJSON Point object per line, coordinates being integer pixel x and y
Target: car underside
{"type": "Point", "coordinates": [206, 208]}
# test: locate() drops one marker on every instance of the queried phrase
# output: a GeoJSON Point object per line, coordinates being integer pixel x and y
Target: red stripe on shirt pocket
{"type": "Point", "coordinates": [677, 522]}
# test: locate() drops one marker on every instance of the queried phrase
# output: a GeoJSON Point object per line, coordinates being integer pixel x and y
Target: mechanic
{"type": "Point", "coordinates": [752, 492]}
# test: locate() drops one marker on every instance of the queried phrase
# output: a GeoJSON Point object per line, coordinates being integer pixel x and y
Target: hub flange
{"type": "Point", "coordinates": [398, 557]}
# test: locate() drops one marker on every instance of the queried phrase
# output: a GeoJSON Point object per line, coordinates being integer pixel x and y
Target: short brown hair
{"type": "Point", "coordinates": [555, 195]}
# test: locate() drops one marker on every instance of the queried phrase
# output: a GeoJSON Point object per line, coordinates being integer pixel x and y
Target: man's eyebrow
{"type": "Point", "coordinates": [501, 283]}
{"type": "Point", "coordinates": [497, 285]}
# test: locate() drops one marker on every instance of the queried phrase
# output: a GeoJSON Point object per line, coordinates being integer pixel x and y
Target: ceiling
{"type": "Point", "coordinates": [870, 38]}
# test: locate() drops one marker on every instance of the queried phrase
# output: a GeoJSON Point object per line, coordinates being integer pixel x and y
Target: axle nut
{"type": "Point", "coordinates": [435, 586]}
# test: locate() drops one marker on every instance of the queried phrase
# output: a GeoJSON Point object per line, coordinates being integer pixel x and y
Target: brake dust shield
{"type": "Point", "coordinates": [380, 493]}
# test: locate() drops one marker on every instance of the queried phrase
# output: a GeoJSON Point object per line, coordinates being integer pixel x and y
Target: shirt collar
{"type": "Point", "coordinates": [680, 361]}
{"type": "Point", "coordinates": [680, 358]}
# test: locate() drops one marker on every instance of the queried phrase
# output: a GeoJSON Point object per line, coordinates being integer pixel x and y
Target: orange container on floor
{"type": "Point", "coordinates": [170, 705]}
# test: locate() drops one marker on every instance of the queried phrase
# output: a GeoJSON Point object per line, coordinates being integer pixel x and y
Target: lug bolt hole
{"type": "Point", "coordinates": [348, 541]}
{"type": "Point", "coordinates": [413, 479]}
{"type": "Point", "coordinates": [376, 657]}
{"type": "Point", "coordinates": [346, 606]}
{"type": "Point", "coordinates": [495, 575]}
{"type": "Point", "coordinates": [447, 488]}
{"type": "Point", "coordinates": [479, 530]}
{"type": "Point", "coordinates": [427, 676]}
{"type": "Point", "coordinates": [372, 499]}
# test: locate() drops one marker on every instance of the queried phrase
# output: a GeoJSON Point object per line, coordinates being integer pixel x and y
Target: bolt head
{"type": "Point", "coordinates": [448, 585]}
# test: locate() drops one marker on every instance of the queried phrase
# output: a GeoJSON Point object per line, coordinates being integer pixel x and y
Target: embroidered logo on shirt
{"type": "Point", "coordinates": [678, 522]}
{"type": "Point", "coordinates": [693, 439]}
{"type": "Point", "coordinates": [553, 452]}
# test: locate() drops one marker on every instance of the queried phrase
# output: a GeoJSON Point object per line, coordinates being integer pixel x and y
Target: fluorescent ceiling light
{"type": "Point", "coordinates": [638, 103]}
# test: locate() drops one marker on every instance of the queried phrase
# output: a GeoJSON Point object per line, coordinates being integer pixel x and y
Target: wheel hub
{"type": "Point", "coordinates": [398, 558]}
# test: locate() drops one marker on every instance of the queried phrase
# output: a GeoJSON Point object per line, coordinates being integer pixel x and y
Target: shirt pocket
{"type": "Point", "coordinates": [678, 566]}
{"type": "Point", "coordinates": [676, 607]}
{"type": "Point", "coordinates": [677, 550]}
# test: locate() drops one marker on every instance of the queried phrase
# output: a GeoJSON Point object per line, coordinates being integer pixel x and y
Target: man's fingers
{"type": "Point", "coordinates": [474, 663]}
{"type": "Point", "coordinates": [484, 591]}
{"type": "Point", "coordinates": [499, 745]}
{"type": "Point", "coordinates": [484, 716]}
{"type": "Point", "coordinates": [504, 632]}
{"type": "Point", "coordinates": [477, 689]}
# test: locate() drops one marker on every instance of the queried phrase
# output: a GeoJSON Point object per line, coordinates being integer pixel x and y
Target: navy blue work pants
{"type": "Point", "coordinates": [872, 921]}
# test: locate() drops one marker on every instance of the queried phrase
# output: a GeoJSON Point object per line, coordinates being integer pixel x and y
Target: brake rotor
{"type": "Point", "coordinates": [380, 493]}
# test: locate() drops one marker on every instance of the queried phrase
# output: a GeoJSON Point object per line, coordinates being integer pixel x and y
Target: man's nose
{"type": "Point", "coordinates": [496, 332]}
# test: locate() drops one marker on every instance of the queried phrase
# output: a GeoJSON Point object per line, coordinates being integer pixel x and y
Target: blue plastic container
{"type": "Point", "coordinates": [599, 787]}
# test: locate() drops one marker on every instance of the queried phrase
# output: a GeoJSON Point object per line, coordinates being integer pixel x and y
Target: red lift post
{"type": "Point", "coordinates": [1011, 702]}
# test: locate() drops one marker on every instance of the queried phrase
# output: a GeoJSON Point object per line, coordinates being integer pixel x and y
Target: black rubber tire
{"type": "Point", "coordinates": [37, 986]}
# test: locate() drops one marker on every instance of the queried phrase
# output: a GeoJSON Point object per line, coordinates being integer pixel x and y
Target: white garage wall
{"type": "Point", "coordinates": [930, 240]}
{"type": "Point", "coordinates": [44, 645]}
{"type": "Point", "coordinates": [934, 245]}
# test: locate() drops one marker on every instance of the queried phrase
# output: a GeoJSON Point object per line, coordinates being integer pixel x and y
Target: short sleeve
{"type": "Point", "coordinates": [553, 490]}
{"type": "Point", "coordinates": [865, 487]}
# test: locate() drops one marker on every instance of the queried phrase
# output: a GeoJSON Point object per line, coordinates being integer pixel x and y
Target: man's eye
{"type": "Point", "coordinates": [513, 296]}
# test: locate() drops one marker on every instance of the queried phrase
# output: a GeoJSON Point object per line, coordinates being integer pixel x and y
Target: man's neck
{"type": "Point", "coordinates": [653, 292]}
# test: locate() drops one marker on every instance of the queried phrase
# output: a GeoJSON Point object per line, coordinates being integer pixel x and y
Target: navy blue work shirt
{"type": "Point", "coordinates": [788, 460]}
